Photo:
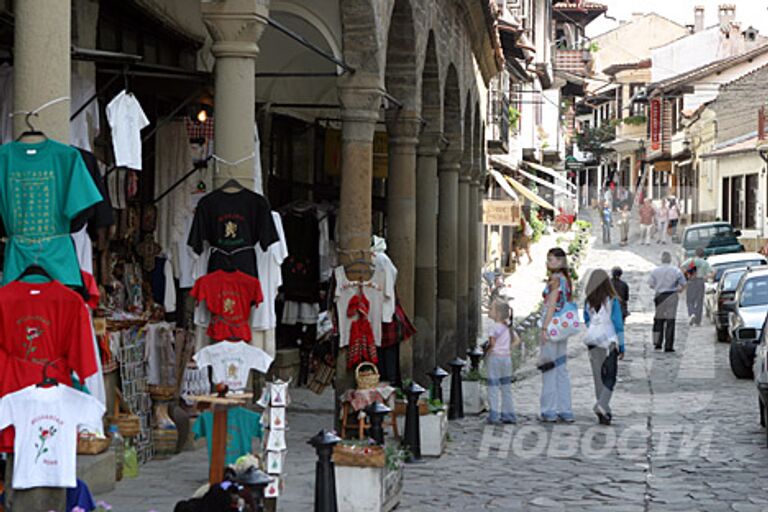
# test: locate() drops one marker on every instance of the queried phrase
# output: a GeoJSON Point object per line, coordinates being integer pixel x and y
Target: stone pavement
{"type": "Point", "coordinates": [686, 436]}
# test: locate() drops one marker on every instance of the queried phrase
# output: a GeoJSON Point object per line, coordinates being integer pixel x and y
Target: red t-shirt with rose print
{"type": "Point", "coordinates": [228, 296]}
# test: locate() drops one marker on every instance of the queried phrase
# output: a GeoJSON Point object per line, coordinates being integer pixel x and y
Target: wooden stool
{"type": "Point", "coordinates": [347, 421]}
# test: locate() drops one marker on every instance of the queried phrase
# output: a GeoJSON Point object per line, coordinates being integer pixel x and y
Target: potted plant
{"type": "Point", "coordinates": [369, 477]}
{"type": "Point", "coordinates": [434, 429]}
{"type": "Point", "coordinates": [475, 392]}
{"type": "Point", "coordinates": [401, 402]}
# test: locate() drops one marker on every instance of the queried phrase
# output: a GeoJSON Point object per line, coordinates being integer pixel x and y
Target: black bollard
{"type": "Point", "coordinates": [437, 375]}
{"type": "Point", "coordinates": [376, 412]}
{"type": "Point", "coordinates": [325, 479]}
{"type": "Point", "coordinates": [412, 440]}
{"type": "Point", "coordinates": [475, 355]}
{"type": "Point", "coordinates": [456, 408]}
{"type": "Point", "coordinates": [256, 481]}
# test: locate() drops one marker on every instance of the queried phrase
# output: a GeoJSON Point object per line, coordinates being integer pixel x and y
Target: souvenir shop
{"type": "Point", "coordinates": [146, 299]}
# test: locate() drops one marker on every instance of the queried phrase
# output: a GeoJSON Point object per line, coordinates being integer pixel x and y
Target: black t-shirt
{"type": "Point", "coordinates": [232, 223]}
{"type": "Point", "coordinates": [100, 214]}
{"type": "Point", "coordinates": [301, 269]}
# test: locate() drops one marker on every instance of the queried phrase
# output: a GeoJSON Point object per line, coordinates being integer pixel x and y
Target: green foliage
{"type": "Point", "coordinates": [514, 117]}
{"type": "Point", "coordinates": [583, 225]}
{"type": "Point", "coordinates": [593, 47]}
{"type": "Point", "coordinates": [538, 226]}
{"type": "Point", "coordinates": [395, 457]}
{"type": "Point", "coordinates": [435, 405]}
{"type": "Point", "coordinates": [473, 376]}
{"type": "Point", "coordinates": [635, 120]}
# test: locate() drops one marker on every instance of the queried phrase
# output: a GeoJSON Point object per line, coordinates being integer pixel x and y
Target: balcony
{"type": "Point", "coordinates": [498, 123]}
{"type": "Point", "coordinates": [593, 140]}
{"type": "Point", "coordinates": [578, 62]}
{"type": "Point", "coordinates": [632, 127]}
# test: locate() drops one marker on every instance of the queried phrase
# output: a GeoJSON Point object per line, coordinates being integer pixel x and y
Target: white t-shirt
{"type": "Point", "coordinates": [232, 361]}
{"type": "Point", "coordinates": [375, 291]}
{"type": "Point", "coordinates": [127, 119]}
{"type": "Point", "coordinates": [46, 421]}
{"type": "Point", "coordinates": [268, 262]}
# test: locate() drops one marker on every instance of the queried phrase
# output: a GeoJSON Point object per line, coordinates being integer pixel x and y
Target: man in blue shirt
{"type": "Point", "coordinates": [667, 281]}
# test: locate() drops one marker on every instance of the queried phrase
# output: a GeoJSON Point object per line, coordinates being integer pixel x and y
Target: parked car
{"type": "Point", "coordinates": [720, 263]}
{"type": "Point", "coordinates": [724, 291]}
{"type": "Point", "coordinates": [760, 372]}
{"type": "Point", "coordinates": [714, 237]}
{"type": "Point", "coordinates": [747, 312]}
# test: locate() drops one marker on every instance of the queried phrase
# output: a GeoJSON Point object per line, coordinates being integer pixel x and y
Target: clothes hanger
{"type": "Point", "coordinates": [31, 131]}
{"type": "Point", "coordinates": [34, 270]}
{"type": "Point", "coordinates": [47, 381]}
{"type": "Point", "coordinates": [231, 183]}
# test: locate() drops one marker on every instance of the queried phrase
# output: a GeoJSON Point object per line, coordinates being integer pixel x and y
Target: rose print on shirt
{"type": "Point", "coordinates": [32, 333]}
{"type": "Point", "coordinates": [44, 436]}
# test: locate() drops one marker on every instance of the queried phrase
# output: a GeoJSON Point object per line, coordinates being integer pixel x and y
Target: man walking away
{"type": "Point", "coordinates": [607, 216]}
{"type": "Point", "coordinates": [666, 281]}
{"type": "Point", "coordinates": [622, 290]}
{"type": "Point", "coordinates": [646, 222]}
{"type": "Point", "coordinates": [697, 271]}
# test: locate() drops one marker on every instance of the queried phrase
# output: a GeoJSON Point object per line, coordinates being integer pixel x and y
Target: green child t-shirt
{"type": "Point", "coordinates": [242, 426]}
{"type": "Point", "coordinates": [43, 186]}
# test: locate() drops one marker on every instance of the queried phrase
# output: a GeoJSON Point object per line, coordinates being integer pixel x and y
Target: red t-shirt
{"type": "Point", "coordinates": [93, 289]}
{"type": "Point", "coordinates": [41, 323]}
{"type": "Point", "coordinates": [228, 296]}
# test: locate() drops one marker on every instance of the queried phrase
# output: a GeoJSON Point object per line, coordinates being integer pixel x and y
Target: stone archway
{"type": "Point", "coordinates": [449, 166]}
{"type": "Point", "coordinates": [425, 293]}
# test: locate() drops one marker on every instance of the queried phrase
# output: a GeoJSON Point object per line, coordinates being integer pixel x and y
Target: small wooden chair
{"type": "Point", "coordinates": [348, 415]}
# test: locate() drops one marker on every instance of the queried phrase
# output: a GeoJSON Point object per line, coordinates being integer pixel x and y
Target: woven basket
{"type": "Point", "coordinates": [92, 445]}
{"type": "Point", "coordinates": [161, 393]}
{"type": "Point", "coordinates": [367, 379]}
{"type": "Point", "coordinates": [128, 424]}
{"type": "Point", "coordinates": [164, 440]}
{"type": "Point", "coordinates": [359, 456]}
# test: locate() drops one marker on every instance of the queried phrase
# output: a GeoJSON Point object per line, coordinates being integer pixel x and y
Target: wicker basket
{"type": "Point", "coordinates": [92, 445]}
{"type": "Point", "coordinates": [128, 424]}
{"type": "Point", "coordinates": [367, 379]}
{"type": "Point", "coordinates": [359, 456]}
{"type": "Point", "coordinates": [161, 393]}
{"type": "Point", "coordinates": [164, 440]}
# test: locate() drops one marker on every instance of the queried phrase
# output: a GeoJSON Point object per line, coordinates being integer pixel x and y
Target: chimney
{"type": "Point", "coordinates": [698, 18]}
{"type": "Point", "coordinates": [726, 14]}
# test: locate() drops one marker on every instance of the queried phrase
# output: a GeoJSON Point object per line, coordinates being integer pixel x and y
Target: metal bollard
{"type": "Point", "coordinates": [412, 439]}
{"type": "Point", "coordinates": [456, 408]}
{"type": "Point", "coordinates": [256, 481]}
{"type": "Point", "coordinates": [376, 412]}
{"type": "Point", "coordinates": [437, 375]}
{"type": "Point", "coordinates": [475, 355]}
{"type": "Point", "coordinates": [325, 477]}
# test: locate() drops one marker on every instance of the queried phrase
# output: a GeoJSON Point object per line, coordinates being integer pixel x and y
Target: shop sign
{"type": "Point", "coordinates": [655, 124]}
{"type": "Point", "coordinates": [501, 213]}
{"type": "Point", "coordinates": [332, 163]}
{"type": "Point", "coordinates": [663, 166]}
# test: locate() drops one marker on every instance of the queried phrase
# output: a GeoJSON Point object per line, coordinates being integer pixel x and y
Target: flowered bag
{"type": "Point", "coordinates": [565, 323]}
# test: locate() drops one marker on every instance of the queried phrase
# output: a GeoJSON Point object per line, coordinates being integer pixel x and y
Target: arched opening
{"type": "Point", "coordinates": [452, 110]}
{"type": "Point", "coordinates": [467, 156]}
{"type": "Point", "coordinates": [400, 75]}
{"type": "Point", "coordinates": [430, 89]}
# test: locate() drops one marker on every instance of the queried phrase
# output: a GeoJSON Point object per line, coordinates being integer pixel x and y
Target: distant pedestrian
{"type": "Point", "coordinates": [647, 215]}
{"type": "Point", "coordinates": [608, 195]}
{"type": "Point", "coordinates": [525, 234]}
{"type": "Point", "coordinates": [624, 220]}
{"type": "Point", "coordinates": [666, 281]}
{"type": "Point", "coordinates": [607, 221]}
{"type": "Point", "coordinates": [501, 339]}
{"type": "Point", "coordinates": [622, 290]}
{"type": "Point", "coordinates": [555, 399]}
{"type": "Point", "coordinates": [662, 221]}
{"type": "Point", "coordinates": [674, 218]}
{"type": "Point", "coordinates": [697, 271]}
{"type": "Point", "coordinates": [605, 339]}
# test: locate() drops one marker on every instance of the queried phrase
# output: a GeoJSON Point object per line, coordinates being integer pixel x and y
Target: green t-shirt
{"type": "Point", "coordinates": [703, 268]}
{"type": "Point", "coordinates": [43, 186]}
{"type": "Point", "coordinates": [242, 426]}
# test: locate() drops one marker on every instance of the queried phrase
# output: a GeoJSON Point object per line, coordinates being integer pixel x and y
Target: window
{"type": "Point", "coordinates": [750, 208]}
{"type": "Point", "coordinates": [737, 209]}
{"type": "Point", "coordinates": [755, 292]}
{"type": "Point", "coordinates": [636, 108]}
{"type": "Point", "coordinates": [725, 197]}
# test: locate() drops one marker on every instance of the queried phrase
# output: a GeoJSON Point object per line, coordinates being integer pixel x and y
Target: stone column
{"type": "Point", "coordinates": [425, 292]}
{"type": "Point", "coordinates": [41, 51]}
{"type": "Point", "coordinates": [473, 277]}
{"type": "Point", "coordinates": [447, 250]}
{"type": "Point", "coordinates": [403, 130]}
{"type": "Point", "coordinates": [235, 27]}
{"type": "Point", "coordinates": [359, 114]}
{"type": "Point", "coordinates": [462, 262]}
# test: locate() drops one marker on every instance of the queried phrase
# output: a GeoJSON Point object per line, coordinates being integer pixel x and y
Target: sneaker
{"type": "Point", "coordinates": [509, 421]}
{"type": "Point", "coordinates": [602, 416]}
{"type": "Point", "coordinates": [548, 419]}
{"type": "Point", "coordinates": [566, 419]}
{"type": "Point", "coordinates": [489, 421]}
{"type": "Point", "coordinates": [692, 320]}
{"type": "Point", "coordinates": [657, 347]}
{"type": "Point", "coordinates": [669, 350]}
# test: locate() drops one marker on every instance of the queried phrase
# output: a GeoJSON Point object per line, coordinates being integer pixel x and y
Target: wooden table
{"type": "Point", "coordinates": [221, 406]}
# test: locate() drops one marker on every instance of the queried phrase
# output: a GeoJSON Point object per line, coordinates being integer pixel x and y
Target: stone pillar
{"type": "Point", "coordinates": [235, 27]}
{"type": "Point", "coordinates": [462, 262]}
{"type": "Point", "coordinates": [447, 250]}
{"type": "Point", "coordinates": [41, 51]}
{"type": "Point", "coordinates": [403, 130]}
{"type": "Point", "coordinates": [473, 277]}
{"type": "Point", "coordinates": [425, 292]}
{"type": "Point", "coordinates": [359, 114]}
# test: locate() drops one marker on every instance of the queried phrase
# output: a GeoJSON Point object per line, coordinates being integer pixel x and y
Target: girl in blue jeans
{"type": "Point", "coordinates": [499, 363]}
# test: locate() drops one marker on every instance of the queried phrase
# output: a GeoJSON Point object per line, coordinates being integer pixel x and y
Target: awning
{"type": "Point", "coordinates": [548, 170]}
{"type": "Point", "coordinates": [509, 164]}
{"type": "Point", "coordinates": [504, 184]}
{"type": "Point", "coordinates": [528, 194]}
{"type": "Point", "coordinates": [545, 183]}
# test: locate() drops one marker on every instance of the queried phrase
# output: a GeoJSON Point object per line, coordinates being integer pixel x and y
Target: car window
{"type": "Point", "coordinates": [731, 280]}
{"type": "Point", "coordinates": [755, 292]}
{"type": "Point", "coordinates": [704, 235]}
{"type": "Point", "coordinates": [722, 267]}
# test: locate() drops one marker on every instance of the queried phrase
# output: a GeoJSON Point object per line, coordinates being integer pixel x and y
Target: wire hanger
{"type": "Point", "coordinates": [47, 380]}
{"type": "Point", "coordinates": [34, 270]}
{"type": "Point", "coordinates": [31, 131]}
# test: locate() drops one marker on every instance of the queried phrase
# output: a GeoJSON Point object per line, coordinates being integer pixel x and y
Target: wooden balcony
{"type": "Point", "coordinates": [578, 62]}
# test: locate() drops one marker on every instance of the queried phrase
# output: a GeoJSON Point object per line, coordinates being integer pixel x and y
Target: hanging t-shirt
{"type": "Point", "coordinates": [127, 119]}
{"type": "Point", "coordinates": [101, 214]}
{"type": "Point", "coordinates": [264, 317]}
{"type": "Point", "coordinates": [46, 421]}
{"type": "Point", "coordinates": [232, 361]}
{"type": "Point", "coordinates": [43, 186]}
{"type": "Point", "coordinates": [301, 269]}
{"type": "Point", "coordinates": [375, 290]}
{"type": "Point", "coordinates": [232, 223]}
{"type": "Point", "coordinates": [228, 296]}
{"type": "Point", "coordinates": [242, 426]}
{"type": "Point", "coordinates": [42, 323]}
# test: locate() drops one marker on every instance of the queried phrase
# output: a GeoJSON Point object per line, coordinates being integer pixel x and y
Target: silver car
{"type": "Point", "coordinates": [720, 263]}
{"type": "Point", "coordinates": [747, 313]}
{"type": "Point", "coordinates": [760, 372]}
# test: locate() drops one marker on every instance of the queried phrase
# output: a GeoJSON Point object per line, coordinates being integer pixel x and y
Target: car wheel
{"type": "Point", "coordinates": [722, 335]}
{"type": "Point", "coordinates": [739, 365]}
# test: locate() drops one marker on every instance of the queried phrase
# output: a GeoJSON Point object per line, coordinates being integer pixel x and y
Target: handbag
{"type": "Point", "coordinates": [565, 323]}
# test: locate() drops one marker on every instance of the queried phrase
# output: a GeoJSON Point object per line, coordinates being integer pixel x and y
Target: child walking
{"type": "Point", "coordinates": [499, 363]}
{"type": "Point", "coordinates": [605, 339]}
